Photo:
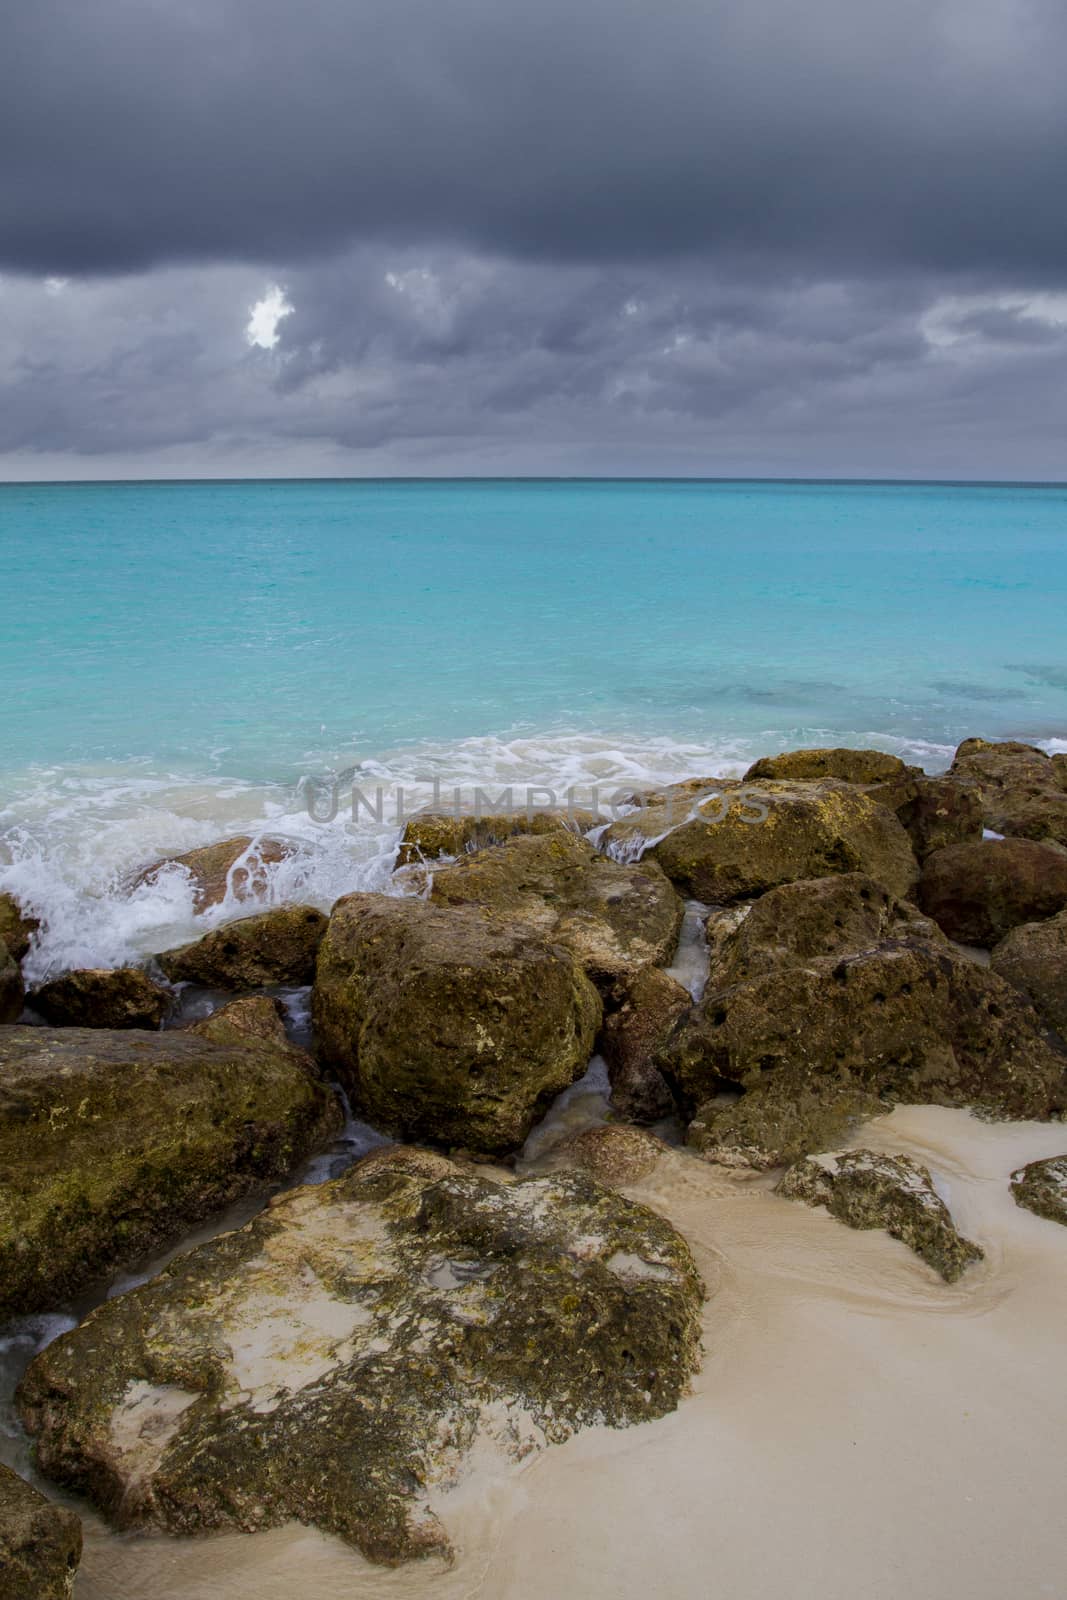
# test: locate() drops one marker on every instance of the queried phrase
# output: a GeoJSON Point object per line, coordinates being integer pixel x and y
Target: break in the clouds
{"type": "Point", "coordinates": [473, 235]}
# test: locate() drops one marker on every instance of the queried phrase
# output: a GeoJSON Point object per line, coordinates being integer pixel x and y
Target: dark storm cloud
{"type": "Point", "coordinates": [824, 136]}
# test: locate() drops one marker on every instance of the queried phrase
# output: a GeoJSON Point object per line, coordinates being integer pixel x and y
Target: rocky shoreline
{"type": "Point", "coordinates": [875, 936]}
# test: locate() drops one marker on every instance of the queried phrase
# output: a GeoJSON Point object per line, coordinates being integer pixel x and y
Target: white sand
{"type": "Point", "coordinates": [860, 1431]}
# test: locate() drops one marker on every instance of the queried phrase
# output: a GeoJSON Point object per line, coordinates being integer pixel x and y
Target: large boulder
{"type": "Point", "coordinates": [449, 1024]}
{"type": "Point", "coordinates": [779, 1121]}
{"type": "Point", "coordinates": [812, 917]}
{"type": "Point", "coordinates": [940, 811]}
{"type": "Point", "coordinates": [750, 838]}
{"type": "Point", "coordinates": [430, 834]}
{"type": "Point", "coordinates": [102, 997]}
{"type": "Point", "coordinates": [616, 918]}
{"type": "Point", "coordinates": [236, 866]}
{"type": "Point", "coordinates": [908, 1020]}
{"type": "Point", "coordinates": [1034, 959]}
{"type": "Point", "coordinates": [646, 1008]}
{"type": "Point", "coordinates": [978, 892]}
{"type": "Point", "coordinates": [335, 1361]}
{"type": "Point", "coordinates": [851, 766]}
{"type": "Point", "coordinates": [866, 1189]}
{"type": "Point", "coordinates": [17, 928]}
{"type": "Point", "coordinates": [12, 992]}
{"type": "Point", "coordinates": [113, 1143]}
{"type": "Point", "coordinates": [40, 1543]}
{"type": "Point", "coordinates": [269, 947]}
{"type": "Point", "coordinates": [1022, 790]}
{"type": "Point", "coordinates": [1042, 1188]}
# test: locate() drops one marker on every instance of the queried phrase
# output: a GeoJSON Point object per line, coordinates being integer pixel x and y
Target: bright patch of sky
{"type": "Point", "coordinates": [265, 316]}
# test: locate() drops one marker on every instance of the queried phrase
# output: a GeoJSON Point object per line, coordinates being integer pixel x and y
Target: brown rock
{"type": "Point", "coordinates": [40, 1543]}
{"type": "Point", "coordinates": [16, 928]}
{"type": "Point", "coordinates": [941, 811]}
{"type": "Point", "coordinates": [432, 833]}
{"type": "Point", "coordinates": [1021, 788]}
{"type": "Point", "coordinates": [102, 997]}
{"type": "Point", "coordinates": [254, 1016]}
{"type": "Point", "coordinates": [851, 766]}
{"type": "Point", "coordinates": [1033, 958]}
{"type": "Point", "coordinates": [613, 1155]}
{"type": "Point", "coordinates": [269, 947]}
{"type": "Point", "coordinates": [1041, 1188]}
{"type": "Point", "coordinates": [12, 993]}
{"type": "Point", "coordinates": [978, 892]}
{"type": "Point", "coordinates": [210, 868]}
{"type": "Point", "coordinates": [776, 1123]}
{"type": "Point", "coordinates": [648, 1004]}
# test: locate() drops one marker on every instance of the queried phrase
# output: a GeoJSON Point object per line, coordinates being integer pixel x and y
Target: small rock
{"type": "Point", "coordinates": [865, 1189]}
{"type": "Point", "coordinates": [40, 1543]}
{"type": "Point", "coordinates": [269, 947]}
{"type": "Point", "coordinates": [254, 1016]}
{"type": "Point", "coordinates": [433, 833]}
{"type": "Point", "coordinates": [1033, 958]}
{"type": "Point", "coordinates": [647, 1006]}
{"type": "Point", "coordinates": [1021, 789]}
{"type": "Point", "coordinates": [214, 870]}
{"type": "Point", "coordinates": [978, 892]}
{"type": "Point", "coordinates": [612, 1154]}
{"type": "Point", "coordinates": [16, 928]}
{"type": "Point", "coordinates": [101, 997]}
{"type": "Point", "coordinates": [1042, 1188]}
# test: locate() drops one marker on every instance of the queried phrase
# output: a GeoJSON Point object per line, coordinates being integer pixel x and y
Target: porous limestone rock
{"type": "Point", "coordinates": [1042, 1188]}
{"type": "Point", "coordinates": [978, 892]}
{"type": "Point", "coordinates": [17, 928]}
{"type": "Point", "coordinates": [102, 997]}
{"type": "Point", "coordinates": [1034, 959]}
{"type": "Point", "coordinates": [940, 811]}
{"type": "Point", "coordinates": [254, 1016]}
{"type": "Point", "coordinates": [449, 1024]}
{"type": "Point", "coordinates": [277, 946]}
{"type": "Point", "coordinates": [113, 1143]}
{"type": "Point", "coordinates": [774, 1124]}
{"type": "Point", "coordinates": [612, 1154]}
{"type": "Point", "coordinates": [443, 833]}
{"type": "Point", "coordinates": [1022, 790]}
{"type": "Point", "coordinates": [40, 1543]}
{"type": "Point", "coordinates": [335, 1360]}
{"type": "Point", "coordinates": [214, 871]}
{"type": "Point", "coordinates": [752, 837]}
{"type": "Point", "coordinates": [866, 1189]}
{"type": "Point", "coordinates": [616, 918]}
{"type": "Point", "coordinates": [851, 766]}
{"type": "Point", "coordinates": [646, 1007]}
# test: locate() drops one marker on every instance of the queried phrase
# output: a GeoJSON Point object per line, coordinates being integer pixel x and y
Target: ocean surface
{"type": "Point", "coordinates": [181, 661]}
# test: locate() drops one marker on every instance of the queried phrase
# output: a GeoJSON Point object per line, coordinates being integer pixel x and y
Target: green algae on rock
{"type": "Point", "coordinates": [616, 917]}
{"type": "Point", "coordinates": [449, 1024]}
{"type": "Point", "coordinates": [112, 1143]}
{"type": "Point", "coordinates": [444, 833]}
{"type": "Point", "coordinates": [978, 892]}
{"type": "Point", "coordinates": [40, 1543]}
{"type": "Point", "coordinates": [866, 1189]}
{"type": "Point", "coordinates": [774, 1124]}
{"type": "Point", "coordinates": [1033, 958]}
{"type": "Point", "coordinates": [851, 766]}
{"type": "Point", "coordinates": [335, 1360]}
{"type": "Point", "coordinates": [102, 997]}
{"type": "Point", "coordinates": [1042, 1188]}
{"type": "Point", "coordinates": [277, 946]}
{"type": "Point", "coordinates": [646, 1007]}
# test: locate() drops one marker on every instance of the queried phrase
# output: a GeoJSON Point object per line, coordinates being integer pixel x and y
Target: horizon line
{"type": "Point", "coordinates": [545, 478]}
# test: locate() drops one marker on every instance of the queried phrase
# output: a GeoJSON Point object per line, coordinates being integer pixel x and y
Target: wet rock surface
{"type": "Point", "coordinates": [269, 947]}
{"type": "Point", "coordinates": [1022, 789]}
{"type": "Point", "coordinates": [442, 833]}
{"type": "Point", "coordinates": [941, 811]}
{"type": "Point", "coordinates": [978, 892]}
{"type": "Point", "coordinates": [17, 927]}
{"type": "Point", "coordinates": [866, 1189]}
{"type": "Point", "coordinates": [617, 918]}
{"type": "Point", "coordinates": [114, 1142]}
{"type": "Point", "coordinates": [1033, 958]}
{"type": "Point", "coordinates": [646, 1008]}
{"type": "Point", "coordinates": [612, 1154]}
{"type": "Point", "coordinates": [851, 766]}
{"type": "Point", "coordinates": [1042, 1188]}
{"type": "Point", "coordinates": [335, 1360]}
{"type": "Point", "coordinates": [254, 1016]}
{"type": "Point", "coordinates": [120, 997]}
{"type": "Point", "coordinates": [12, 992]}
{"type": "Point", "coordinates": [774, 1123]}
{"type": "Point", "coordinates": [229, 866]}
{"type": "Point", "coordinates": [450, 1024]}
{"type": "Point", "coordinates": [40, 1543]}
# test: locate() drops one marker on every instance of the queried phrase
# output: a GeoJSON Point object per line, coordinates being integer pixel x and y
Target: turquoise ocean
{"type": "Point", "coordinates": [180, 661]}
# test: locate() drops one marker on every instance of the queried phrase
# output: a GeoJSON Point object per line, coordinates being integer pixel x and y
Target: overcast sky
{"type": "Point", "coordinates": [566, 236]}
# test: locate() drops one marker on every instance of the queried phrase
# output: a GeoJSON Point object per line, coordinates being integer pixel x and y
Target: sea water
{"type": "Point", "coordinates": [183, 661]}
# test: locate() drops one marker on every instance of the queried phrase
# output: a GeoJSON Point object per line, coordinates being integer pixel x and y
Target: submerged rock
{"type": "Point", "coordinates": [865, 1189]}
{"type": "Point", "coordinates": [616, 918]}
{"type": "Point", "coordinates": [978, 892]}
{"type": "Point", "coordinates": [851, 766]}
{"type": "Point", "coordinates": [813, 917]}
{"type": "Point", "coordinates": [40, 1543]}
{"type": "Point", "coordinates": [1033, 959]}
{"type": "Point", "coordinates": [221, 868]}
{"type": "Point", "coordinates": [1021, 788]}
{"type": "Point", "coordinates": [908, 1020]}
{"type": "Point", "coordinates": [449, 1024]}
{"type": "Point", "coordinates": [1042, 1188]}
{"type": "Point", "coordinates": [12, 992]}
{"type": "Point", "coordinates": [774, 1124]}
{"type": "Point", "coordinates": [941, 811]}
{"type": "Point", "coordinates": [647, 1006]}
{"type": "Point", "coordinates": [442, 833]}
{"type": "Point", "coordinates": [277, 946]}
{"type": "Point", "coordinates": [338, 1357]}
{"type": "Point", "coordinates": [16, 927]}
{"type": "Point", "coordinates": [112, 1143]}
{"type": "Point", "coordinates": [751, 838]}
{"type": "Point", "coordinates": [102, 997]}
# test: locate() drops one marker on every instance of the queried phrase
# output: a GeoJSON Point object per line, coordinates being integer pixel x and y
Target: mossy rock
{"type": "Point", "coordinates": [335, 1361]}
{"type": "Point", "coordinates": [12, 991]}
{"type": "Point", "coordinates": [749, 838]}
{"type": "Point", "coordinates": [1022, 789]}
{"type": "Point", "coordinates": [1042, 1188]}
{"type": "Point", "coordinates": [851, 766]}
{"type": "Point", "coordinates": [941, 811]}
{"type": "Point", "coordinates": [866, 1189]}
{"type": "Point", "coordinates": [978, 892]}
{"type": "Point", "coordinates": [444, 833]}
{"type": "Point", "coordinates": [40, 1543]}
{"type": "Point", "coordinates": [1033, 959]}
{"type": "Point", "coordinates": [277, 946]}
{"type": "Point", "coordinates": [114, 1143]}
{"type": "Point", "coordinates": [616, 918]}
{"type": "Point", "coordinates": [102, 997]}
{"type": "Point", "coordinates": [645, 1008]}
{"type": "Point", "coordinates": [909, 1020]}
{"type": "Point", "coordinates": [775, 1124]}
{"type": "Point", "coordinates": [450, 1025]}
{"type": "Point", "coordinates": [17, 928]}
{"type": "Point", "coordinates": [216, 870]}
